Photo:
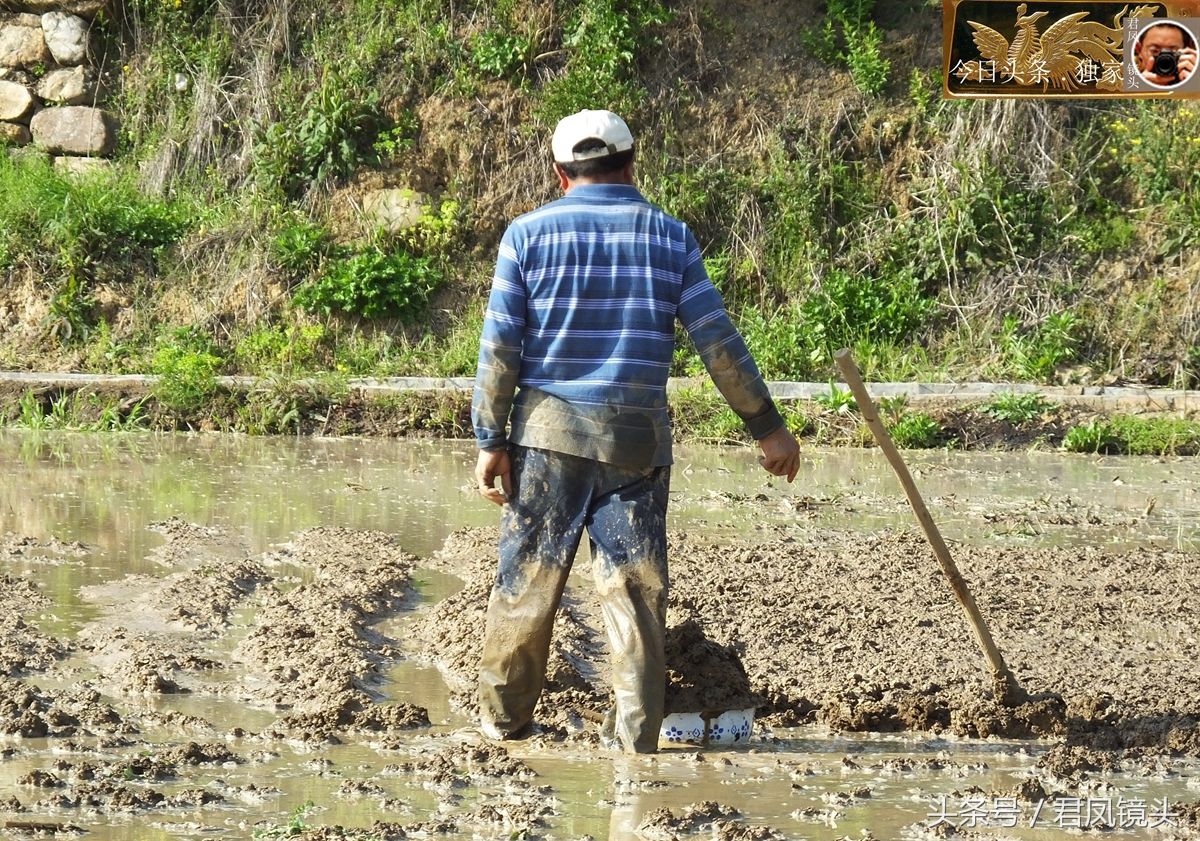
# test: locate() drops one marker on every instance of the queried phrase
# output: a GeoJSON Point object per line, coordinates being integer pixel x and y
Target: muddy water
{"type": "Point", "coordinates": [105, 493]}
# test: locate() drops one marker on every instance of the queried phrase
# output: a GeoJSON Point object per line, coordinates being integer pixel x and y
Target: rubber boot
{"type": "Point", "coordinates": [540, 530]}
{"type": "Point", "coordinates": [516, 648]}
{"type": "Point", "coordinates": [633, 599]}
{"type": "Point", "coordinates": [628, 530]}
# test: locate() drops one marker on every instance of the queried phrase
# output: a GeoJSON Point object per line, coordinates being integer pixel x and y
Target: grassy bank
{"type": "Point", "coordinates": [839, 200]}
{"type": "Point", "coordinates": [328, 407]}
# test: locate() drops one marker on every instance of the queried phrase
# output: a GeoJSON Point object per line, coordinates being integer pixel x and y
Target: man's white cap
{"type": "Point", "coordinates": [599, 127]}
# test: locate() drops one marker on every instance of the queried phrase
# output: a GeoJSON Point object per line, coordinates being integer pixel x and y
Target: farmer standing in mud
{"type": "Point", "coordinates": [570, 414]}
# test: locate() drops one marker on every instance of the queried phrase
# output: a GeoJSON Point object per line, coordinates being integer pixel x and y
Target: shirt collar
{"type": "Point", "coordinates": [606, 191]}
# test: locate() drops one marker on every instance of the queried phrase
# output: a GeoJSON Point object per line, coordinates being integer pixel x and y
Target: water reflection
{"type": "Point", "coordinates": [104, 489]}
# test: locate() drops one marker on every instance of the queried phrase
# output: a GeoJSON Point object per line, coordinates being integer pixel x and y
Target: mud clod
{"type": "Point", "coordinates": [703, 676]}
{"type": "Point", "coordinates": [24, 649]}
{"type": "Point", "coordinates": [709, 817]}
{"type": "Point", "coordinates": [32, 714]}
{"type": "Point", "coordinates": [314, 641]}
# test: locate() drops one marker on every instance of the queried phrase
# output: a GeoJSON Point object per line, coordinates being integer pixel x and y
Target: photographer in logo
{"type": "Point", "coordinates": [1165, 54]}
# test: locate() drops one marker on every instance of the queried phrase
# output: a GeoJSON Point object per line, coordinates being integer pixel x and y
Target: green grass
{"type": "Point", "coordinates": [839, 400]}
{"type": "Point", "coordinates": [77, 411]}
{"type": "Point", "coordinates": [699, 415]}
{"type": "Point", "coordinates": [187, 373]}
{"type": "Point", "coordinates": [916, 431]}
{"type": "Point", "coordinates": [1135, 435]}
{"type": "Point", "coordinates": [73, 232]}
{"type": "Point", "coordinates": [1017, 409]}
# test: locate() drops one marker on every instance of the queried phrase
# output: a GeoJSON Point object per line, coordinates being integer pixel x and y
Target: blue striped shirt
{"type": "Point", "coordinates": [581, 318]}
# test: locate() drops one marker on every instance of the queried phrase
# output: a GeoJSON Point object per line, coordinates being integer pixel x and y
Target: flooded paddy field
{"type": "Point", "coordinates": [225, 637]}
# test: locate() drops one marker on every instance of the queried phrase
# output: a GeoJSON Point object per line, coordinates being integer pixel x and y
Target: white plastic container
{"type": "Point", "coordinates": [729, 728]}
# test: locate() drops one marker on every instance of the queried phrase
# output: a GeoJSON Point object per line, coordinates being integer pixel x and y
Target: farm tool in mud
{"type": "Point", "coordinates": [1005, 687]}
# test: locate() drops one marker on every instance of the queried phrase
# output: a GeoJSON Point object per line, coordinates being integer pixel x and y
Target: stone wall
{"type": "Point", "coordinates": [49, 96]}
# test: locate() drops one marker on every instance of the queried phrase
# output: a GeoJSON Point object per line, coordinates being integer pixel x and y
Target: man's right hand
{"type": "Point", "coordinates": [781, 453]}
{"type": "Point", "coordinates": [492, 464]}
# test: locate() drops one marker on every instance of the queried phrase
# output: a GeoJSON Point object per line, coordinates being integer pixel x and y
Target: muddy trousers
{"type": "Point", "coordinates": [555, 497]}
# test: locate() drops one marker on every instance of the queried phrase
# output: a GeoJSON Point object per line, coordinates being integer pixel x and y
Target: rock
{"type": "Point", "coordinates": [12, 74]}
{"type": "Point", "coordinates": [392, 209]}
{"type": "Point", "coordinates": [66, 36]}
{"type": "Point", "coordinates": [74, 165]}
{"type": "Point", "coordinates": [85, 8]}
{"type": "Point", "coordinates": [13, 134]}
{"type": "Point", "coordinates": [16, 102]}
{"type": "Point", "coordinates": [29, 153]}
{"type": "Point", "coordinates": [69, 86]}
{"type": "Point", "coordinates": [23, 44]}
{"type": "Point", "coordinates": [74, 130]}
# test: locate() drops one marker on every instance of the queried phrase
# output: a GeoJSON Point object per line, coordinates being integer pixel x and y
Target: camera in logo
{"type": "Point", "coordinates": [1165, 53]}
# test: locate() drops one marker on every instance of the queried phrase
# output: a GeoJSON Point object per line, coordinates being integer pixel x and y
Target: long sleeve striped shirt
{"type": "Point", "coordinates": [579, 331]}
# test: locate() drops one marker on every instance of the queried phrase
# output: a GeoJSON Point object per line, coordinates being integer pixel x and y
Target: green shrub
{"type": "Point", "coordinates": [1150, 145]}
{"type": "Point", "coordinates": [1092, 437]}
{"type": "Point", "coordinates": [603, 39]}
{"type": "Point", "coordinates": [924, 87]}
{"type": "Point", "coordinates": [1017, 409]}
{"type": "Point", "coordinates": [1154, 436]}
{"type": "Point", "coordinates": [399, 138]}
{"type": "Point", "coordinates": [848, 36]}
{"type": "Point", "coordinates": [1136, 436]}
{"type": "Point", "coordinates": [893, 408]}
{"type": "Point", "coordinates": [839, 400]}
{"type": "Point", "coordinates": [70, 229]}
{"type": "Point", "coordinates": [436, 229]}
{"type": "Point", "coordinates": [300, 245]}
{"type": "Point", "coordinates": [779, 343]}
{"type": "Point", "coordinates": [702, 196]}
{"type": "Point", "coordinates": [699, 414]}
{"type": "Point", "coordinates": [457, 355]}
{"type": "Point", "coordinates": [371, 283]}
{"type": "Point", "coordinates": [822, 41]}
{"type": "Point", "coordinates": [849, 307]}
{"type": "Point", "coordinates": [799, 200]}
{"type": "Point", "coordinates": [104, 354]}
{"type": "Point", "coordinates": [295, 347]}
{"type": "Point", "coordinates": [331, 132]}
{"type": "Point", "coordinates": [1103, 230]}
{"type": "Point", "coordinates": [916, 431]}
{"type": "Point", "coordinates": [278, 406]}
{"type": "Point", "coordinates": [499, 54]}
{"type": "Point", "coordinates": [187, 373]}
{"type": "Point", "coordinates": [1036, 354]}
{"type": "Point", "coordinates": [868, 67]}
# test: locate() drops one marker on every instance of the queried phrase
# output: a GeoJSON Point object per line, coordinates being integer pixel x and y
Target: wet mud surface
{"type": "Point", "coordinates": [208, 692]}
{"type": "Point", "coordinates": [853, 632]}
{"type": "Point", "coordinates": [861, 633]}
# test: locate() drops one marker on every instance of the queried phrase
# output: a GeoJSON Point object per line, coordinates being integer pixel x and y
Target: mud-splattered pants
{"type": "Point", "coordinates": [555, 497]}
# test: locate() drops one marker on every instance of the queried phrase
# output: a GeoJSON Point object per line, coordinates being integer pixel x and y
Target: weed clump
{"type": "Point", "coordinates": [1016, 409]}
{"type": "Point", "coordinates": [74, 231]}
{"type": "Point", "coordinates": [1135, 436]}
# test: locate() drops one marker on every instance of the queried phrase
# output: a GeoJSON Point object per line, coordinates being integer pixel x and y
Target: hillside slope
{"type": "Point", "coordinates": [839, 200]}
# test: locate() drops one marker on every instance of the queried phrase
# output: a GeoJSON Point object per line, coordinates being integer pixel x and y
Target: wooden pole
{"type": "Point", "coordinates": [1007, 690]}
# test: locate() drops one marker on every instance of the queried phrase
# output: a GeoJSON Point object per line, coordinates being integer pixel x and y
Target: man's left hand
{"type": "Point", "coordinates": [493, 463]}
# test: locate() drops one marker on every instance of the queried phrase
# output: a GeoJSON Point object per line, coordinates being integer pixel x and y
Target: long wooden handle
{"type": "Point", "coordinates": [1007, 689]}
